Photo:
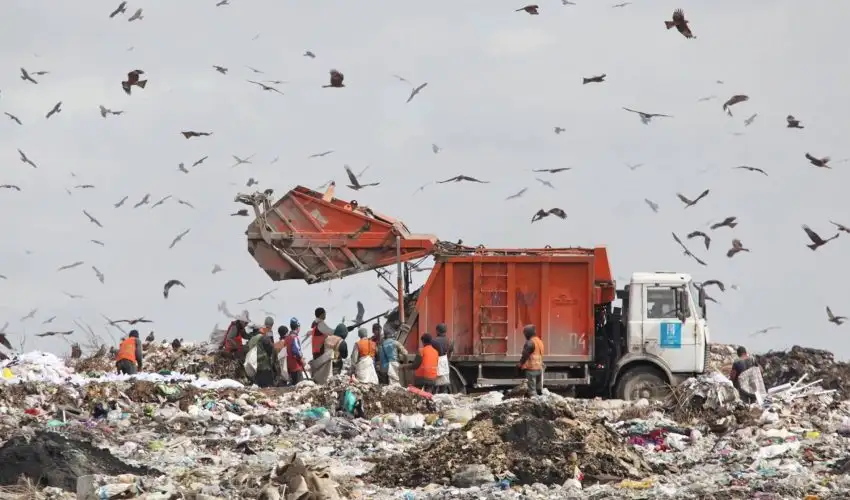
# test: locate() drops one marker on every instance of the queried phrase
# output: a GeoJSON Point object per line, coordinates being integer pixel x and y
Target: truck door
{"type": "Point", "coordinates": [669, 331]}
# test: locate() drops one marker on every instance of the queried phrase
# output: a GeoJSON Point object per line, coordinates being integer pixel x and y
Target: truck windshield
{"type": "Point", "coordinates": [694, 292]}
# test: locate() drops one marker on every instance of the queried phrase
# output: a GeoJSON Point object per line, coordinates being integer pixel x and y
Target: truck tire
{"type": "Point", "coordinates": [642, 382]}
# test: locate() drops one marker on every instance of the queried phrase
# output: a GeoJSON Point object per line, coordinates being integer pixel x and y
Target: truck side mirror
{"type": "Point", "coordinates": [682, 309]}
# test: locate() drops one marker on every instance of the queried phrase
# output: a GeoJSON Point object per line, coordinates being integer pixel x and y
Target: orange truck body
{"type": "Point", "coordinates": [484, 296]}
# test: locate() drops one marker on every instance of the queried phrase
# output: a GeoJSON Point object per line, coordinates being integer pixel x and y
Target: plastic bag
{"type": "Point", "coordinates": [251, 362]}
{"type": "Point", "coordinates": [442, 366]}
{"type": "Point", "coordinates": [365, 371]}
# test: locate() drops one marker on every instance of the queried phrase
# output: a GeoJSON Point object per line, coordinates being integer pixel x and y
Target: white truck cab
{"type": "Point", "coordinates": [666, 332]}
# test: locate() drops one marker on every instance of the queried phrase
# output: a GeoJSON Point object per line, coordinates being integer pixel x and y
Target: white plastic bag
{"type": "Point", "coordinates": [364, 370]}
{"type": "Point", "coordinates": [251, 362]}
{"type": "Point", "coordinates": [281, 362]}
{"type": "Point", "coordinates": [443, 366]}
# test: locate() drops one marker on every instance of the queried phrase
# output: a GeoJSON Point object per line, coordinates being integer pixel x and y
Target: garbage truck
{"type": "Point", "coordinates": [655, 338]}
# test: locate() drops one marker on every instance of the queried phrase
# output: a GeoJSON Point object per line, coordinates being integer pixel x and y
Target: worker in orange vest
{"type": "Point", "coordinates": [425, 364]}
{"type": "Point", "coordinates": [319, 332]}
{"type": "Point", "coordinates": [531, 362]}
{"type": "Point", "coordinates": [129, 356]}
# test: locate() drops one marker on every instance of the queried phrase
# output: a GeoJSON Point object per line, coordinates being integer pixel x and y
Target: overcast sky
{"type": "Point", "coordinates": [499, 81]}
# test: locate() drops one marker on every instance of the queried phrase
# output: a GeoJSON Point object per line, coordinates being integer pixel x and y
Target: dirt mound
{"type": "Point", "coordinates": [49, 459]}
{"type": "Point", "coordinates": [779, 367]}
{"type": "Point", "coordinates": [377, 399]}
{"type": "Point", "coordinates": [530, 439]}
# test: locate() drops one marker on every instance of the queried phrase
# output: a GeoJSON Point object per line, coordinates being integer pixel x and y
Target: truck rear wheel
{"type": "Point", "coordinates": [642, 382]}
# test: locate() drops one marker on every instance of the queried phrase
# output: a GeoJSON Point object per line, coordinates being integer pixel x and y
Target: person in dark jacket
{"type": "Point", "coordinates": [742, 364]}
{"type": "Point", "coordinates": [444, 349]}
{"type": "Point", "coordinates": [340, 331]}
{"type": "Point", "coordinates": [129, 356]}
{"type": "Point", "coordinates": [264, 377]}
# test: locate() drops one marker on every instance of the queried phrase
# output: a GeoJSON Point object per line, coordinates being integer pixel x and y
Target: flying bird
{"type": "Point", "coordinates": [222, 2]}
{"type": "Point", "coordinates": [251, 182]}
{"type": "Point", "coordinates": [55, 109]}
{"type": "Point", "coordinates": [220, 69]}
{"type": "Point", "coordinates": [169, 285]}
{"type": "Point", "coordinates": [30, 315]}
{"type": "Point", "coordinates": [130, 322]}
{"type": "Point", "coordinates": [151, 337]}
{"type": "Point", "coordinates": [719, 284]}
{"type": "Point", "coordinates": [737, 246]}
{"type": "Point", "coordinates": [161, 201]}
{"type": "Point", "coordinates": [545, 183]}
{"type": "Point", "coordinates": [652, 205]}
{"type": "Point", "coordinates": [559, 130]}
{"type": "Point", "coordinates": [687, 251]}
{"type": "Point", "coordinates": [706, 239]}
{"type": "Point", "coordinates": [735, 99]}
{"type": "Point", "coordinates": [242, 212]}
{"type": "Point", "coordinates": [98, 242]}
{"type": "Point", "coordinates": [707, 98]}
{"type": "Point", "coordinates": [265, 87]}
{"type": "Point", "coordinates": [186, 203]}
{"type": "Point", "coordinates": [26, 159]}
{"type": "Point", "coordinates": [634, 167]}
{"type": "Point", "coordinates": [71, 266]}
{"type": "Point", "coordinates": [336, 79]}
{"type": "Point", "coordinates": [318, 155]}
{"type": "Point", "coordinates": [191, 133]}
{"type": "Point", "coordinates": [793, 122]}
{"type": "Point", "coordinates": [389, 293]}
{"type": "Point", "coordinates": [541, 214]}
{"type": "Point", "coordinates": [355, 184]}
{"type": "Point", "coordinates": [144, 201]}
{"type": "Point", "coordinates": [729, 222]}
{"type": "Point", "coordinates": [517, 194]}
{"type": "Point", "coordinates": [620, 5]}
{"type": "Point", "coordinates": [594, 79]}
{"type": "Point", "coordinates": [645, 118]}
{"type": "Point", "coordinates": [764, 330]}
{"type": "Point", "coordinates": [73, 296]}
{"type": "Point", "coordinates": [680, 23]}
{"type": "Point", "coordinates": [100, 276]}
{"type": "Point", "coordinates": [567, 2]}
{"type": "Point", "coordinates": [136, 16]}
{"type": "Point", "coordinates": [553, 170]}
{"type": "Point", "coordinates": [26, 76]}
{"type": "Point", "coordinates": [255, 70]}
{"type": "Point", "coordinates": [200, 161]}
{"type": "Point", "coordinates": [121, 202]}
{"type": "Point", "coordinates": [817, 241]}
{"type": "Point", "coordinates": [751, 169]}
{"type": "Point", "coordinates": [241, 161]}
{"type": "Point", "coordinates": [133, 80]}
{"type": "Point", "coordinates": [92, 219]}
{"type": "Point", "coordinates": [178, 238]}
{"type": "Point", "coordinates": [13, 118]}
{"type": "Point", "coordinates": [51, 333]}
{"type": "Point", "coordinates": [818, 162]}
{"type": "Point", "coordinates": [833, 318]}
{"type": "Point", "coordinates": [122, 8]}
{"type": "Point", "coordinates": [841, 227]}
{"type": "Point", "coordinates": [309, 54]}
{"type": "Point", "coordinates": [436, 149]}
{"type": "Point", "coordinates": [259, 298]}
{"type": "Point", "coordinates": [361, 312]}
{"type": "Point", "coordinates": [10, 186]}
{"type": "Point", "coordinates": [459, 178]}
{"type": "Point", "coordinates": [531, 9]}
{"type": "Point", "coordinates": [415, 91]}
{"type": "Point", "coordinates": [690, 203]}
{"type": "Point", "coordinates": [182, 168]}
{"type": "Point", "coordinates": [216, 269]}
{"type": "Point", "coordinates": [104, 111]}
{"type": "Point", "coordinates": [749, 121]}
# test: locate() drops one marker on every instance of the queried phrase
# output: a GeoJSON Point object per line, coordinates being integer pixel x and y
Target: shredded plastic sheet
{"type": "Point", "coordinates": [39, 366]}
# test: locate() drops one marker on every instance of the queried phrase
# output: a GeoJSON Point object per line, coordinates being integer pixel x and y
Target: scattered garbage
{"type": "Point", "coordinates": [195, 429]}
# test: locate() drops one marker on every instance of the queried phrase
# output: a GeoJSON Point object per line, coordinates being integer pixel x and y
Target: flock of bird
{"type": "Point", "coordinates": [136, 80]}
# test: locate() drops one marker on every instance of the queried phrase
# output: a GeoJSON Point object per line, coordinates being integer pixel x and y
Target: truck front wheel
{"type": "Point", "coordinates": [642, 382]}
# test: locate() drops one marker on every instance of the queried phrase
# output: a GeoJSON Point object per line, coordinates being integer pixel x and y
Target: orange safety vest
{"type": "Point", "coordinates": [428, 368]}
{"type": "Point", "coordinates": [366, 347]}
{"type": "Point", "coordinates": [127, 350]}
{"type": "Point", "coordinates": [234, 344]}
{"type": "Point", "coordinates": [318, 340]}
{"type": "Point", "coordinates": [535, 361]}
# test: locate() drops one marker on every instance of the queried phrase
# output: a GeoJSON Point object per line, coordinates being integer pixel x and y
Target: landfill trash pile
{"type": "Point", "coordinates": [86, 435]}
{"type": "Point", "coordinates": [191, 358]}
{"type": "Point", "coordinates": [781, 367]}
{"type": "Point", "coordinates": [530, 440]}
